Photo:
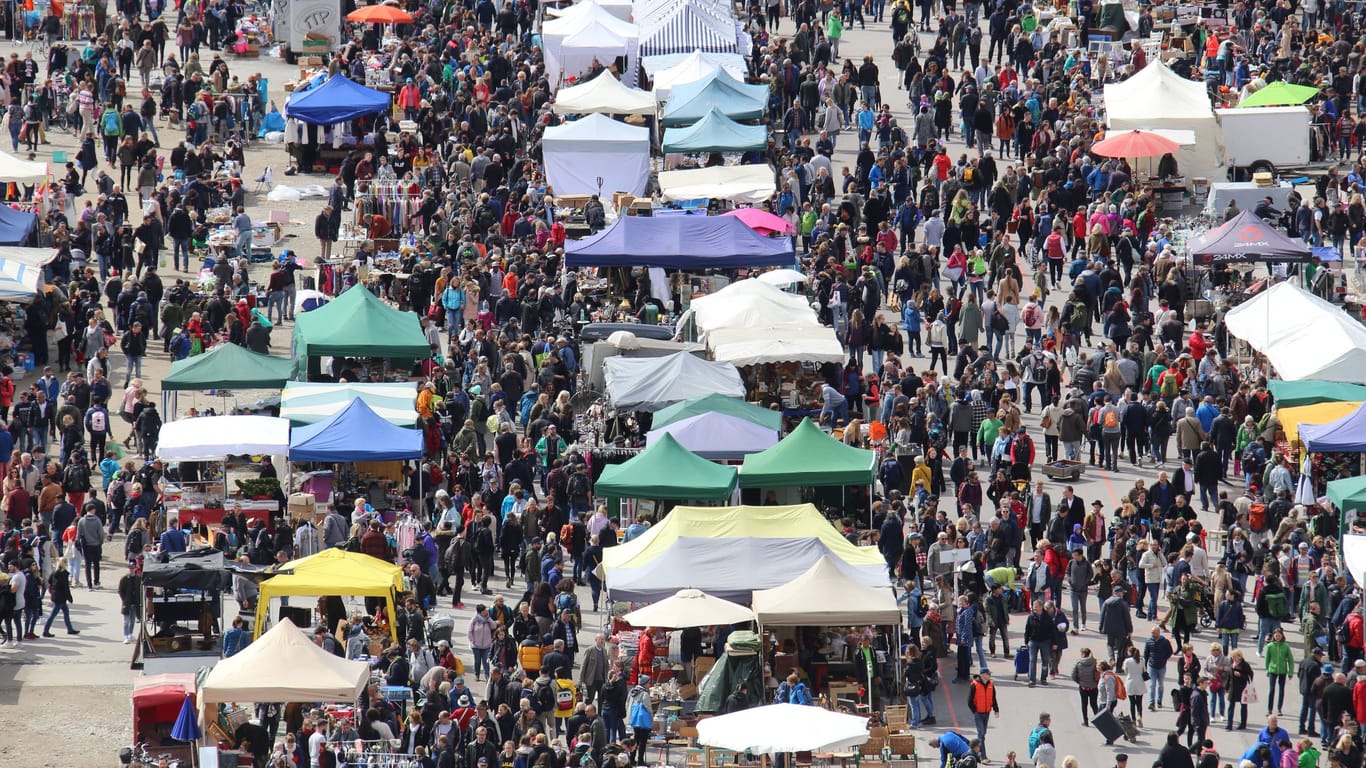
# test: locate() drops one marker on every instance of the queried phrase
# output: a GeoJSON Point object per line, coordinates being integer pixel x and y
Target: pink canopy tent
{"type": "Point", "coordinates": [762, 221]}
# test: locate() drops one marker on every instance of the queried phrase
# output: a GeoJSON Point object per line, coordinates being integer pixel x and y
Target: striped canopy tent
{"type": "Point", "coordinates": [19, 281]}
{"type": "Point", "coordinates": [305, 402]}
{"type": "Point", "coordinates": [683, 26]}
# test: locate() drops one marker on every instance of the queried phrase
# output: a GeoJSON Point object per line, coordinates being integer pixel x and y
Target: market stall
{"type": "Point", "coordinates": [715, 132]}
{"type": "Point", "coordinates": [669, 71]}
{"type": "Point", "coordinates": [157, 701]}
{"type": "Point", "coordinates": [214, 439]}
{"type": "Point", "coordinates": [1303, 336]}
{"type": "Point", "coordinates": [679, 242]}
{"type": "Point", "coordinates": [357, 324]}
{"type": "Point", "coordinates": [808, 458]}
{"type": "Point", "coordinates": [1246, 238]}
{"type": "Point", "coordinates": [652, 383]}
{"type": "Point", "coordinates": [574, 41]}
{"type": "Point", "coordinates": [667, 471]}
{"type": "Point", "coordinates": [729, 552]}
{"type": "Point", "coordinates": [1157, 98]}
{"type": "Point", "coordinates": [715, 403]}
{"type": "Point", "coordinates": [716, 436]}
{"type": "Point", "coordinates": [1290, 394]}
{"type": "Point", "coordinates": [356, 433]}
{"type": "Point", "coordinates": [737, 183]}
{"type": "Point", "coordinates": [604, 94]}
{"type": "Point", "coordinates": [718, 91]}
{"type": "Point", "coordinates": [333, 572]}
{"type": "Point", "coordinates": [180, 617]}
{"type": "Point", "coordinates": [224, 366]}
{"type": "Point", "coordinates": [689, 608]}
{"type": "Point", "coordinates": [306, 402]}
{"type": "Point", "coordinates": [597, 155]}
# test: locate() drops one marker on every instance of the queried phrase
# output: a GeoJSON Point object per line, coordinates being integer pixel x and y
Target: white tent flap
{"type": "Point", "coordinates": [215, 437]}
{"type": "Point", "coordinates": [652, 383]}
{"type": "Point", "coordinates": [737, 183]}
{"type": "Point", "coordinates": [1302, 335]}
{"type": "Point", "coordinates": [18, 281]}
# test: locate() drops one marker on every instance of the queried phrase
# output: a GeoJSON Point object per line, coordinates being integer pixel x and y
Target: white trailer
{"type": "Point", "coordinates": [1266, 139]}
{"type": "Point", "coordinates": [293, 20]}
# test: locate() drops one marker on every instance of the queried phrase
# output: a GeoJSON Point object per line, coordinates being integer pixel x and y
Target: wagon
{"type": "Point", "coordinates": [1064, 469]}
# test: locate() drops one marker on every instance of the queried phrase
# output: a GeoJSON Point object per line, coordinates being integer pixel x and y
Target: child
{"type": "Point", "coordinates": [1011, 762]}
{"type": "Point", "coordinates": [1308, 755]}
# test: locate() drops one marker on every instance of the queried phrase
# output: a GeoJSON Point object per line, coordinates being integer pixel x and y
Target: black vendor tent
{"type": "Point", "coordinates": [1246, 237]}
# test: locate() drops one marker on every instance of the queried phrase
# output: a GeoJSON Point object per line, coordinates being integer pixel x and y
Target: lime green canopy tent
{"type": "Point", "coordinates": [717, 403]}
{"type": "Point", "coordinates": [807, 457]}
{"type": "Point", "coordinates": [1280, 94]}
{"type": "Point", "coordinates": [358, 324]}
{"type": "Point", "coordinates": [228, 366]}
{"type": "Point", "coordinates": [1291, 394]}
{"type": "Point", "coordinates": [667, 470]}
{"type": "Point", "coordinates": [1349, 496]}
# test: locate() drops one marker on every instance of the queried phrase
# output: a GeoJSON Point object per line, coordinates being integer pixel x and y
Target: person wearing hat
{"type": "Point", "coordinates": [982, 702]}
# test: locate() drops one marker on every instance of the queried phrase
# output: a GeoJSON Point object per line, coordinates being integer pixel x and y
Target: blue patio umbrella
{"type": "Point", "coordinates": [186, 726]}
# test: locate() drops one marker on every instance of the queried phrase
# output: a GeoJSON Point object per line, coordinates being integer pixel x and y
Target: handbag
{"type": "Point", "coordinates": [953, 274]}
{"type": "Point", "coordinates": [1249, 694]}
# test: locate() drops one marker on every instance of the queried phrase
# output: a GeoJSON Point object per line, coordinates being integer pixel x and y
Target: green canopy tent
{"type": "Point", "coordinates": [730, 406]}
{"type": "Point", "coordinates": [807, 457]}
{"type": "Point", "coordinates": [359, 325]}
{"type": "Point", "coordinates": [668, 471]}
{"type": "Point", "coordinates": [228, 366]}
{"type": "Point", "coordinates": [1280, 94]}
{"type": "Point", "coordinates": [1292, 394]}
{"type": "Point", "coordinates": [1349, 496]}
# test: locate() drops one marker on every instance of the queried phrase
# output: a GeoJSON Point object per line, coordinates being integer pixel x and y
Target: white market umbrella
{"type": "Point", "coordinates": [689, 608]}
{"type": "Point", "coordinates": [778, 728]}
{"type": "Point", "coordinates": [782, 278]}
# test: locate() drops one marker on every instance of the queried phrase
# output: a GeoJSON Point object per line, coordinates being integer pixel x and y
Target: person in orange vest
{"type": "Point", "coordinates": [982, 702]}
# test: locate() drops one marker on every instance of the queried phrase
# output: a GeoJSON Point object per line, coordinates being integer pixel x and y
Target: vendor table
{"type": "Point", "coordinates": [1170, 197]}
{"type": "Point", "coordinates": [213, 516]}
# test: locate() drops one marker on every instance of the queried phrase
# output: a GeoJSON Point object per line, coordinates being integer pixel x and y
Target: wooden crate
{"type": "Point", "coordinates": [902, 744]}
{"type": "Point", "coordinates": [896, 718]}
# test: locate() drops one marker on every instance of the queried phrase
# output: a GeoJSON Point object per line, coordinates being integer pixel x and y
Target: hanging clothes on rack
{"type": "Point", "coordinates": [397, 201]}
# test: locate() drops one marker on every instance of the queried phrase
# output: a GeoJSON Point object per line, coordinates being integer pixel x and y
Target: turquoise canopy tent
{"type": "Point", "coordinates": [691, 102]}
{"type": "Point", "coordinates": [716, 133]}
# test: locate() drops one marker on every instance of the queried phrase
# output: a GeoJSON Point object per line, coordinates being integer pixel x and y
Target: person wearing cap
{"type": "Point", "coordinates": [982, 702]}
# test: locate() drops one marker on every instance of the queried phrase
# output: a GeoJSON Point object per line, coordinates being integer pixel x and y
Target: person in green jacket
{"type": "Point", "coordinates": [987, 433]}
{"type": "Point", "coordinates": [1280, 663]}
{"type": "Point", "coordinates": [834, 28]}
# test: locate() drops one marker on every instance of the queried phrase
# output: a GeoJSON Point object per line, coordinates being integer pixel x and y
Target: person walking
{"type": "Point", "coordinates": [982, 701]}
{"type": "Point", "coordinates": [1157, 651]}
{"type": "Point", "coordinates": [59, 590]}
{"type": "Point", "coordinates": [90, 537]}
{"type": "Point", "coordinates": [1280, 663]}
{"type": "Point", "coordinates": [480, 634]}
{"type": "Point", "coordinates": [1038, 635]}
{"type": "Point", "coordinates": [1116, 624]}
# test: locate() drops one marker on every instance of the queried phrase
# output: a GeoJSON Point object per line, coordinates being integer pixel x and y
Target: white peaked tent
{"type": "Point", "coordinates": [680, 26]}
{"type": "Point", "coordinates": [284, 665]}
{"type": "Point", "coordinates": [1159, 99]}
{"type": "Point", "coordinates": [571, 44]}
{"type": "Point", "coordinates": [12, 169]}
{"type": "Point", "coordinates": [577, 154]}
{"type": "Point", "coordinates": [691, 67]}
{"type": "Point", "coordinates": [1302, 335]}
{"type": "Point", "coordinates": [18, 281]}
{"type": "Point", "coordinates": [622, 9]}
{"type": "Point", "coordinates": [604, 94]}
{"type": "Point", "coordinates": [689, 608]}
{"type": "Point", "coordinates": [825, 595]}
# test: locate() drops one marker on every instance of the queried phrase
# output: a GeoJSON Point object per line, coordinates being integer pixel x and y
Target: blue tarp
{"type": "Point", "coordinates": [16, 227]}
{"type": "Point", "coordinates": [1346, 435]}
{"type": "Point", "coordinates": [335, 101]}
{"type": "Point", "coordinates": [716, 133]}
{"type": "Point", "coordinates": [690, 102]}
{"type": "Point", "coordinates": [356, 433]}
{"type": "Point", "coordinates": [679, 242]}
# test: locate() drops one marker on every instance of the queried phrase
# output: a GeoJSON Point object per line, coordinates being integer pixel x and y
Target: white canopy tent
{"type": "Point", "coordinates": [795, 343]}
{"type": "Point", "coordinates": [1158, 99]}
{"type": "Point", "coordinates": [283, 665]}
{"type": "Point", "coordinates": [782, 278]}
{"type": "Point", "coordinates": [737, 183]}
{"type": "Point", "coordinates": [652, 383]}
{"type": "Point", "coordinates": [748, 303]}
{"type": "Point", "coordinates": [825, 595]}
{"type": "Point", "coordinates": [622, 9]}
{"type": "Point", "coordinates": [572, 43]}
{"type": "Point", "coordinates": [1302, 335]}
{"type": "Point", "coordinates": [717, 436]}
{"type": "Point", "coordinates": [689, 608]}
{"type": "Point", "coordinates": [672, 70]}
{"type": "Point", "coordinates": [19, 281]}
{"type": "Point", "coordinates": [780, 728]}
{"type": "Point", "coordinates": [578, 153]}
{"type": "Point", "coordinates": [211, 438]}
{"type": "Point", "coordinates": [751, 322]}
{"type": "Point", "coordinates": [604, 94]}
{"type": "Point", "coordinates": [12, 169]}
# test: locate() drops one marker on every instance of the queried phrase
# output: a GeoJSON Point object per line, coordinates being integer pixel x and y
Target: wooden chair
{"type": "Point", "coordinates": [896, 718]}
{"type": "Point", "coordinates": [902, 744]}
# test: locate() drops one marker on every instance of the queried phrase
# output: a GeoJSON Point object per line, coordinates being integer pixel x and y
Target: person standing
{"type": "Point", "coordinates": [982, 701]}
{"type": "Point", "coordinates": [59, 589]}
{"type": "Point", "coordinates": [1157, 651]}
{"type": "Point", "coordinates": [1038, 634]}
{"type": "Point", "coordinates": [1116, 624]}
{"type": "Point", "coordinates": [480, 634]}
{"type": "Point", "coordinates": [593, 669]}
{"type": "Point", "coordinates": [90, 537]}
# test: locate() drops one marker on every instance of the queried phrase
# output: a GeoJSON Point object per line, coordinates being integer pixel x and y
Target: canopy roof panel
{"type": "Point", "coordinates": [783, 728]}
{"type": "Point", "coordinates": [356, 433]}
{"type": "Point", "coordinates": [691, 102]}
{"type": "Point", "coordinates": [728, 552]}
{"type": "Point", "coordinates": [1346, 435]}
{"type": "Point", "coordinates": [1156, 92]}
{"type": "Point", "coordinates": [359, 324]}
{"type": "Point", "coordinates": [1304, 336]}
{"type": "Point", "coordinates": [652, 383]}
{"type": "Point", "coordinates": [17, 171]}
{"type": "Point", "coordinates": [284, 665]}
{"type": "Point", "coordinates": [1246, 237]}
{"type": "Point", "coordinates": [738, 183]}
{"type": "Point", "coordinates": [304, 402]}
{"type": "Point", "coordinates": [807, 457]}
{"type": "Point", "coordinates": [678, 242]}
{"type": "Point", "coordinates": [717, 436]}
{"type": "Point", "coordinates": [211, 438]}
{"type": "Point", "coordinates": [667, 470]}
{"type": "Point", "coordinates": [715, 132]}
{"type": "Point", "coordinates": [714, 403]}
{"type": "Point", "coordinates": [339, 99]}
{"type": "Point", "coordinates": [604, 94]}
{"type": "Point", "coordinates": [231, 367]}
{"type": "Point", "coordinates": [825, 595]}
{"type": "Point", "coordinates": [1289, 394]}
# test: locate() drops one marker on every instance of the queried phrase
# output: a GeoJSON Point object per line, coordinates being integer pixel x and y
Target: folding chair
{"type": "Point", "coordinates": [266, 181]}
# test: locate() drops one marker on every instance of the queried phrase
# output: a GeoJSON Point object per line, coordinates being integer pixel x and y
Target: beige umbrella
{"type": "Point", "coordinates": [689, 608]}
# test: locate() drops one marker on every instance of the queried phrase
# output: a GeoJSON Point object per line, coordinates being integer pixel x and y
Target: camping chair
{"type": "Point", "coordinates": [266, 181]}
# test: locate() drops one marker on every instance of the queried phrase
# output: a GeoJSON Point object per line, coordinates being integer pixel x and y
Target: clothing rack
{"type": "Point", "coordinates": [394, 200]}
{"type": "Point", "coordinates": [405, 533]}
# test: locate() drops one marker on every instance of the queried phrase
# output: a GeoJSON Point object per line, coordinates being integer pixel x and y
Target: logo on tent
{"type": "Point", "coordinates": [1251, 236]}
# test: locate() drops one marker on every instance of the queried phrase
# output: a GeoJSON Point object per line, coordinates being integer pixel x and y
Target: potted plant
{"type": "Point", "coordinates": [259, 488]}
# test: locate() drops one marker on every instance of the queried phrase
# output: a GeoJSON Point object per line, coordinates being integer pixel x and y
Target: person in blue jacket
{"type": "Point", "coordinates": [949, 743]}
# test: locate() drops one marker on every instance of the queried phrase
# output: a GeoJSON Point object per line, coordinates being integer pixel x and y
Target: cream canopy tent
{"type": "Point", "coordinates": [595, 33]}
{"type": "Point", "coordinates": [604, 94]}
{"type": "Point", "coordinates": [579, 153]}
{"type": "Point", "coordinates": [1157, 98]}
{"type": "Point", "coordinates": [689, 608]}
{"type": "Point", "coordinates": [737, 183]}
{"type": "Point", "coordinates": [284, 665]}
{"type": "Point", "coordinates": [12, 169]}
{"type": "Point", "coordinates": [750, 322]}
{"type": "Point", "coordinates": [1302, 335]}
{"type": "Point", "coordinates": [779, 728]}
{"type": "Point", "coordinates": [825, 595]}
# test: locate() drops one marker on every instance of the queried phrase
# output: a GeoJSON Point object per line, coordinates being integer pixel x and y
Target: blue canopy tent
{"type": "Point", "coordinates": [16, 227]}
{"type": "Point", "coordinates": [691, 102]}
{"type": "Point", "coordinates": [1346, 435]}
{"type": "Point", "coordinates": [716, 133]}
{"type": "Point", "coordinates": [679, 242]}
{"type": "Point", "coordinates": [356, 433]}
{"type": "Point", "coordinates": [337, 100]}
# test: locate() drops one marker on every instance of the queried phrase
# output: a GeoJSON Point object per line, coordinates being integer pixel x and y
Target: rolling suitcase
{"type": "Point", "coordinates": [1021, 661]}
{"type": "Point", "coordinates": [1108, 726]}
{"type": "Point", "coordinates": [1126, 724]}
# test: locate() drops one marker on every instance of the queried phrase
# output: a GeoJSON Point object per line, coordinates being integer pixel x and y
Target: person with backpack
{"type": "Point", "coordinates": [97, 426]}
{"type": "Point", "coordinates": [1273, 607]}
{"type": "Point", "coordinates": [111, 129]}
{"type": "Point", "coordinates": [76, 480]}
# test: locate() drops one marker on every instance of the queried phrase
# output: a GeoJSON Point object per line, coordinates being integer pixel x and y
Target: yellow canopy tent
{"type": "Point", "coordinates": [333, 572]}
{"type": "Point", "coordinates": [1319, 413]}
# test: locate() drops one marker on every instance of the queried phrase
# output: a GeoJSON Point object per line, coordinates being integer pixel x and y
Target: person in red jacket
{"type": "Point", "coordinates": [410, 98]}
{"type": "Point", "coordinates": [1197, 343]}
{"type": "Point", "coordinates": [1057, 565]}
{"type": "Point", "coordinates": [1356, 642]}
{"type": "Point", "coordinates": [374, 543]}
